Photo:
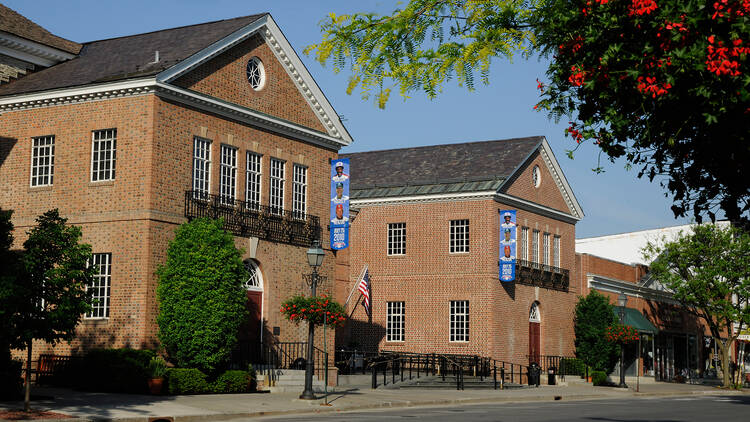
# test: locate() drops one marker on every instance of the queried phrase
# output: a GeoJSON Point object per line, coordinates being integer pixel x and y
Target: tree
{"type": "Point", "coordinates": [201, 296]}
{"type": "Point", "coordinates": [594, 315]}
{"type": "Point", "coordinates": [48, 296]}
{"type": "Point", "coordinates": [708, 272]}
{"type": "Point", "coordinates": [10, 369]}
{"type": "Point", "coordinates": [662, 83]}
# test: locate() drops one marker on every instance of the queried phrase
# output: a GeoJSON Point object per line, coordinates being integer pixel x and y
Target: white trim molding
{"type": "Point", "coordinates": [30, 51]}
{"type": "Point", "coordinates": [536, 208]}
{"type": "Point", "coordinates": [612, 285]}
{"type": "Point", "coordinates": [75, 95]}
{"type": "Point", "coordinates": [559, 177]}
{"type": "Point", "coordinates": [420, 199]}
{"type": "Point", "coordinates": [266, 27]}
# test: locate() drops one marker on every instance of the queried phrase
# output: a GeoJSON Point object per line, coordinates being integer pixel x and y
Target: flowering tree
{"type": "Point", "coordinates": [317, 309]}
{"type": "Point", "coordinates": [661, 83]}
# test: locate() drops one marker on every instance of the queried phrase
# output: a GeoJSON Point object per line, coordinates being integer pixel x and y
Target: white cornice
{"type": "Point", "coordinates": [606, 284]}
{"type": "Point", "coordinates": [78, 94]}
{"type": "Point", "coordinates": [535, 208]}
{"type": "Point", "coordinates": [562, 183]}
{"type": "Point", "coordinates": [30, 51]}
{"type": "Point", "coordinates": [419, 199]}
{"type": "Point", "coordinates": [267, 28]}
{"type": "Point", "coordinates": [246, 115]}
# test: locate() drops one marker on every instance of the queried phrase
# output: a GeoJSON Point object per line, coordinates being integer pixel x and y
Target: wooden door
{"type": "Point", "coordinates": [254, 303]}
{"type": "Point", "coordinates": [534, 342]}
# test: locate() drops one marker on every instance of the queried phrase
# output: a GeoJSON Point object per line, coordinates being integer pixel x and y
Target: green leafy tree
{"type": "Point", "coordinates": [593, 316]}
{"type": "Point", "coordinates": [661, 83]}
{"type": "Point", "coordinates": [708, 271]}
{"type": "Point", "coordinates": [201, 296]}
{"type": "Point", "coordinates": [48, 295]}
{"type": "Point", "coordinates": [10, 370]}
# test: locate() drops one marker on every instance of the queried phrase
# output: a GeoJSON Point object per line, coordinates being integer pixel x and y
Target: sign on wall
{"type": "Point", "coordinates": [340, 203]}
{"type": "Point", "coordinates": [507, 245]}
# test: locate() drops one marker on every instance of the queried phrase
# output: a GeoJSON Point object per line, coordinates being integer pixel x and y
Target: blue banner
{"type": "Point", "coordinates": [507, 245]}
{"type": "Point", "coordinates": [339, 225]}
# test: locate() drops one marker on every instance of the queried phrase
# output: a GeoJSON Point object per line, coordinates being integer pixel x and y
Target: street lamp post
{"type": "Point", "coordinates": [315, 258]}
{"type": "Point", "coordinates": [622, 300]}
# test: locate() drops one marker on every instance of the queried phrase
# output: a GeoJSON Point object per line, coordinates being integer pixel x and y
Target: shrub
{"type": "Point", "coordinates": [593, 314]}
{"type": "Point", "coordinates": [232, 382]}
{"type": "Point", "coordinates": [599, 378]}
{"type": "Point", "coordinates": [572, 366]}
{"type": "Point", "coordinates": [114, 370]}
{"type": "Point", "coordinates": [201, 299]}
{"type": "Point", "coordinates": [186, 381]}
{"type": "Point", "coordinates": [10, 379]}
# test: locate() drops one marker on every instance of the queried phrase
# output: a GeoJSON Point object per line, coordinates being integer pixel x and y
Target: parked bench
{"type": "Point", "coordinates": [50, 365]}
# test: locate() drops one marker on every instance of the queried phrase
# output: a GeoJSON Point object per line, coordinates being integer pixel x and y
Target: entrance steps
{"type": "Point", "coordinates": [292, 380]}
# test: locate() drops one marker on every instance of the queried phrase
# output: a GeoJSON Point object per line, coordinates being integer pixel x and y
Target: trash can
{"type": "Point", "coordinates": [534, 374]}
{"type": "Point", "coordinates": [551, 372]}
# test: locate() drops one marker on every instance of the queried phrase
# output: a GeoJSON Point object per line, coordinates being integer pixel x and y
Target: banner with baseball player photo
{"type": "Point", "coordinates": [507, 245]}
{"type": "Point", "coordinates": [340, 204]}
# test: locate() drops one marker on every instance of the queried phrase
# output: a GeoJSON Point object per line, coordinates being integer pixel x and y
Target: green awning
{"type": "Point", "coordinates": [635, 319]}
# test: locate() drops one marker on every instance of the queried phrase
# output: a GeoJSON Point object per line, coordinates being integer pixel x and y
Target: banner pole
{"type": "Point", "coordinates": [361, 274]}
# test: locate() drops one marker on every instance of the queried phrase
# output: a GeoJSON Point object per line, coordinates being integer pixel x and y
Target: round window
{"type": "Point", "coordinates": [256, 74]}
{"type": "Point", "coordinates": [536, 176]}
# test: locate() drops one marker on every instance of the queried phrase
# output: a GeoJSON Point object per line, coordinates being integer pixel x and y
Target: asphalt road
{"type": "Point", "coordinates": [672, 409]}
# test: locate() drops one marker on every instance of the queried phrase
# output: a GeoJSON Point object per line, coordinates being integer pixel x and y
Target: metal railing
{"type": "Point", "coordinates": [246, 219]}
{"type": "Point", "coordinates": [536, 274]}
{"type": "Point", "coordinates": [559, 363]}
{"type": "Point", "coordinates": [267, 358]}
{"type": "Point", "coordinates": [413, 365]}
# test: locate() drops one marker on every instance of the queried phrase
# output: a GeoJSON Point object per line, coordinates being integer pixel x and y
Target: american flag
{"type": "Point", "coordinates": [364, 287]}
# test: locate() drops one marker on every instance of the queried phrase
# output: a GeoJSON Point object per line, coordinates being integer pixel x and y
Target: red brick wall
{"type": "Point", "coordinates": [225, 77]}
{"type": "Point", "coordinates": [547, 193]}
{"type": "Point", "coordinates": [428, 277]}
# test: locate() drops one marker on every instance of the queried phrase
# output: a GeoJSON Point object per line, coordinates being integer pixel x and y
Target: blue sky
{"type": "Point", "coordinates": [614, 202]}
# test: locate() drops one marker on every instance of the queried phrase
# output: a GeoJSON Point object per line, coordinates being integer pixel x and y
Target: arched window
{"type": "Point", "coordinates": [255, 278]}
{"type": "Point", "coordinates": [534, 313]}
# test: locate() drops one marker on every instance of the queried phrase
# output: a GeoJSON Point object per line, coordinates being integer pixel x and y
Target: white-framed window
{"type": "Point", "coordinates": [556, 251]}
{"type": "Point", "coordinates": [256, 74]}
{"type": "Point", "coordinates": [254, 279]}
{"type": "Point", "coordinates": [103, 154]}
{"type": "Point", "coordinates": [201, 167]}
{"type": "Point", "coordinates": [42, 160]}
{"type": "Point", "coordinates": [100, 285]}
{"type": "Point", "coordinates": [459, 236]}
{"type": "Point", "coordinates": [534, 313]}
{"type": "Point", "coordinates": [253, 179]}
{"type": "Point", "coordinates": [524, 246]}
{"type": "Point", "coordinates": [546, 251]}
{"type": "Point", "coordinates": [535, 246]}
{"type": "Point", "coordinates": [276, 199]}
{"type": "Point", "coordinates": [396, 238]}
{"type": "Point", "coordinates": [459, 323]}
{"type": "Point", "coordinates": [299, 191]}
{"type": "Point", "coordinates": [394, 327]}
{"type": "Point", "coordinates": [228, 175]}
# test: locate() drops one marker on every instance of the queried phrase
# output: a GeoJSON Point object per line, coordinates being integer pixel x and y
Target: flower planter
{"type": "Point", "coordinates": [155, 385]}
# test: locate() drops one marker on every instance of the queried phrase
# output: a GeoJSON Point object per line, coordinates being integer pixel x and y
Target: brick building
{"type": "Point", "coordinates": [131, 136]}
{"type": "Point", "coordinates": [428, 228]}
{"type": "Point", "coordinates": [675, 344]}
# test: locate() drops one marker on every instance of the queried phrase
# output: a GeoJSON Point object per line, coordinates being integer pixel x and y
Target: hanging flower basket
{"type": "Point", "coordinates": [318, 309]}
{"type": "Point", "coordinates": [622, 334]}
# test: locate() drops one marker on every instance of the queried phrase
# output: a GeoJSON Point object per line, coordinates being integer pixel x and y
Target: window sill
{"type": "Point", "coordinates": [396, 256]}
{"type": "Point", "coordinates": [102, 183]}
{"type": "Point", "coordinates": [96, 321]}
{"type": "Point", "coordinates": [40, 188]}
{"type": "Point", "coordinates": [458, 253]}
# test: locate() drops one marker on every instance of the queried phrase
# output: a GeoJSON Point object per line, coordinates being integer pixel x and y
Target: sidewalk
{"type": "Point", "coordinates": [130, 407]}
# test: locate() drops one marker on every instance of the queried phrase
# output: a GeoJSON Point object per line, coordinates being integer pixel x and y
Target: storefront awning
{"type": "Point", "coordinates": [635, 319]}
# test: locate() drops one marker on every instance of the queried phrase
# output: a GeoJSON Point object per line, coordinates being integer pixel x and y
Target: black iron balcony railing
{"type": "Point", "coordinates": [249, 219]}
{"type": "Point", "coordinates": [536, 274]}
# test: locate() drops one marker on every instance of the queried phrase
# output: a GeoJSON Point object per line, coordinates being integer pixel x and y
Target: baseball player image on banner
{"type": "Point", "coordinates": [507, 245]}
{"type": "Point", "coordinates": [339, 204]}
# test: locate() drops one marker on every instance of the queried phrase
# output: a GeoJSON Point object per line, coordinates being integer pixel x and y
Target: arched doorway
{"type": "Point", "coordinates": [535, 340]}
{"type": "Point", "coordinates": [254, 286]}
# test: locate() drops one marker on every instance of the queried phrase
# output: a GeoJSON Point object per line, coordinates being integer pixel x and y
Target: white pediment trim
{"type": "Point", "coordinates": [420, 199]}
{"type": "Point", "coordinates": [30, 51]}
{"type": "Point", "coordinates": [266, 27]}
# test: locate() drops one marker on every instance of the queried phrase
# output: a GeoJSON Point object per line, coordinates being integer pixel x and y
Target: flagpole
{"type": "Point", "coordinates": [361, 273]}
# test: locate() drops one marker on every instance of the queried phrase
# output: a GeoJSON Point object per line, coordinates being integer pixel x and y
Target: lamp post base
{"type": "Point", "coordinates": [307, 395]}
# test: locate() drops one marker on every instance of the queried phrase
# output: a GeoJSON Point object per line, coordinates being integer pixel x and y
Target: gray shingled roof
{"type": "Point", "coordinates": [451, 168]}
{"type": "Point", "coordinates": [14, 23]}
{"type": "Point", "coordinates": [128, 57]}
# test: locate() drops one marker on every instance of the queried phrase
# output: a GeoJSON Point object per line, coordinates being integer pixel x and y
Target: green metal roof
{"type": "Point", "coordinates": [427, 189]}
{"type": "Point", "coordinates": [635, 319]}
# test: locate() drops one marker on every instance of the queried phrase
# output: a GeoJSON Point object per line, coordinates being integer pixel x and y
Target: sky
{"type": "Point", "coordinates": [613, 202]}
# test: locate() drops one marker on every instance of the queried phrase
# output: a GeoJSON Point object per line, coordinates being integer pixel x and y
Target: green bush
{"type": "Point", "coordinates": [10, 379]}
{"type": "Point", "coordinates": [186, 381]}
{"type": "Point", "coordinates": [599, 378]}
{"type": "Point", "coordinates": [232, 382]}
{"type": "Point", "coordinates": [114, 370]}
{"type": "Point", "coordinates": [201, 299]}
{"type": "Point", "coordinates": [572, 366]}
{"type": "Point", "coordinates": [593, 314]}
